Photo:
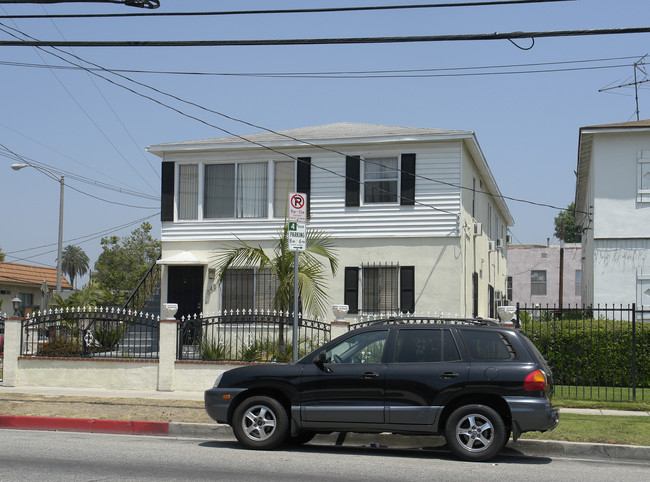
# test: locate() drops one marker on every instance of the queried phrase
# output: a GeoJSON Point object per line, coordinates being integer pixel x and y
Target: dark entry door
{"type": "Point", "coordinates": [185, 287]}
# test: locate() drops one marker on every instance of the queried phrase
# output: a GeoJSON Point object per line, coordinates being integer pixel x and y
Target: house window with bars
{"type": "Point", "coordinates": [248, 289]}
{"type": "Point", "coordinates": [383, 289]}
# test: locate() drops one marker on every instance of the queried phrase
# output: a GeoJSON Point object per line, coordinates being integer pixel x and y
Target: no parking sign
{"type": "Point", "coordinates": [298, 207]}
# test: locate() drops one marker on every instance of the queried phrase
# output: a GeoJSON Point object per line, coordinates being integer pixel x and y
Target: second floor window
{"type": "Point", "coordinates": [381, 180]}
{"type": "Point", "coordinates": [538, 282]}
{"type": "Point", "coordinates": [236, 190]}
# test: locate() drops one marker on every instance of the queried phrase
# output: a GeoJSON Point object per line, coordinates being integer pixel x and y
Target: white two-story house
{"type": "Point", "coordinates": [612, 205]}
{"type": "Point", "coordinates": [418, 220]}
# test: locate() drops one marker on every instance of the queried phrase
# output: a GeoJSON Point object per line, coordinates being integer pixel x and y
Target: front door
{"type": "Point", "coordinates": [350, 388]}
{"type": "Point", "coordinates": [185, 288]}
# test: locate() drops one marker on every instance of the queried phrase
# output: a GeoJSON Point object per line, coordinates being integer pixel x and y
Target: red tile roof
{"type": "Point", "coordinates": [24, 274]}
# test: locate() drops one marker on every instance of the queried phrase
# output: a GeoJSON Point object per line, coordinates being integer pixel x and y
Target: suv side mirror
{"type": "Point", "coordinates": [320, 361]}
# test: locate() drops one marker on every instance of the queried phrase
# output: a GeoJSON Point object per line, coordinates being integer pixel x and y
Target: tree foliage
{"type": "Point", "coordinates": [572, 232]}
{"type": "Point", "coordinates": [74, 262]}
{"type": "Point", "coordinates": [124, 262]}
{"type": "Point", "coordinates": [2, 255]}
{"type": "Point", "coordinates": [313, 264]}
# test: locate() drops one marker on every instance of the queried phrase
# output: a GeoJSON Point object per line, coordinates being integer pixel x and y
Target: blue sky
{"type": "Point", "coordinates": [527, 124]}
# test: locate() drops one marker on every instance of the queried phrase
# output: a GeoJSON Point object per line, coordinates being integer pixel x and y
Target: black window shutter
{"type": "Point", "coordinates": [407, 289]}
{"type": "Point", "coordinates": [408, 180]}
{"type": "Point", "coordinates": [304, 178]}
{"type": "Point", "coordinates": [167, 192]}
{"type": "Point", "coordinates": [351, 289]}
{"type": "Point", "coordinates": [352, 178]}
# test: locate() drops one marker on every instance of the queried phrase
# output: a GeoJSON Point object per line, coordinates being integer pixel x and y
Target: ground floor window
{"type": "Point", "coordinates": [248, 289]}
{"type": "Point", "coordinates": [380, 289]}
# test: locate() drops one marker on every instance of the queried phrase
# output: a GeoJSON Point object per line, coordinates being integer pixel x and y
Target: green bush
{"type": "Point", "coordinates": [61, 346]}
{"type": "Point", "coordinates": [213, 351]}
{"type": "Point", "coordinates": [593, 352]}
{"type": "Point", "coordinates": [108, 335]}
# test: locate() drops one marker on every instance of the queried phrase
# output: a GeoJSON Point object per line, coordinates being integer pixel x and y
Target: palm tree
{"type": "Point", "coordinates": [74, 262]}
{"type": "Point", "coordinates": [313, 264]}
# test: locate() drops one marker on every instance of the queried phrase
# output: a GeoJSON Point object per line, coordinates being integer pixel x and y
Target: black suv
{"type": "Point", "coordinates": [472, 381]}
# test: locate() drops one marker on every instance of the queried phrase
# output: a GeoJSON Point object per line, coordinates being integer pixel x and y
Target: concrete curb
{"type": "Point", "coordinates": [521, 448]}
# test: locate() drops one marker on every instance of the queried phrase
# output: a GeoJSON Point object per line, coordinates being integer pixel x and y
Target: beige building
{"type": "Point", "coordinates": [31, 284]}
{"type": "Point", "coordinates": [418, 220]}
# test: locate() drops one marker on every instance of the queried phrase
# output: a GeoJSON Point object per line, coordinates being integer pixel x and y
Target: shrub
{"type": "Point", "coordinates": [108, 335]}
{"type": "Point", "coordinates": [61, 346]}
{"type": "Point", "coordinates": [593, 352]}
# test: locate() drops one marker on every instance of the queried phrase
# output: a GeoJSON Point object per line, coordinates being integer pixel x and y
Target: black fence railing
{"type": "Point", "coordinates": [146, 289]}
{"type": "Point", "coordinates": [596, 353]}
{"type": "Point", "coordinates": [90, 333]}
{"type": "Point", "coordinates": [247, 336]}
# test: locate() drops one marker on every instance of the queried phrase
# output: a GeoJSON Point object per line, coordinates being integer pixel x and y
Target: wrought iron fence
{"type": "Point", "coordinates": [247, 336]}
{"type": "Point", "coordinates": [90, 333]}
{"type": "Point", "coordinates": [596, 353]}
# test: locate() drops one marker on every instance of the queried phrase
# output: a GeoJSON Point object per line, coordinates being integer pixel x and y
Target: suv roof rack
{"type": "Point", "coordinates": [396, 320]}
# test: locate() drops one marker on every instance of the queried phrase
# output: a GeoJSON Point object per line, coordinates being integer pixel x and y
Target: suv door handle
{"type": "Point", "coordinates": [447, 375]}
{"type": "Point", "coordinates": [367, 375]}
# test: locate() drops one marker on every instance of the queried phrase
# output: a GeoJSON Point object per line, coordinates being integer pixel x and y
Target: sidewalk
{"type": "Point", "coordinates": [527, 448]}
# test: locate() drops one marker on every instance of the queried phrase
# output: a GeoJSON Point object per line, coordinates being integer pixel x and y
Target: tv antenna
{"type": "Point", "coordinates": [639, 66]}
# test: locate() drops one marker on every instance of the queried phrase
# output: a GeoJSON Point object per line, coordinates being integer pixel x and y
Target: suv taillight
{"type": "Point", "coordinates": [535, 381]}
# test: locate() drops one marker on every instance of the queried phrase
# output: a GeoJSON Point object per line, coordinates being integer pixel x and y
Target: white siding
{"type": "Point", "coordinates": [435, 213]}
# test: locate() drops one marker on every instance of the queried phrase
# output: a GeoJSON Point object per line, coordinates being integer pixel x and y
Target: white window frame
{"type": "Point", "coordinates": [397, 180]}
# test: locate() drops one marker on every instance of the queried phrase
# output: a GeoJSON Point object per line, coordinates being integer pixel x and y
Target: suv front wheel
{"type": "Point", "coordinates": [260, 423]}
{"type": "Point", "coordinates": [475, 432]}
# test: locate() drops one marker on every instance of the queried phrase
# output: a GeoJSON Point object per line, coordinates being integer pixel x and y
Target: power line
{"type": "Point", "coordinates": [290, 11]}
{"type": "Point", "coordinates": [243, 138]}
{"type": "Point", "coordinates": [324, 41]}
{"type": "Point", "coordinates": [363, 74]}
{"type": "Point", "coordinates": [80, 239]}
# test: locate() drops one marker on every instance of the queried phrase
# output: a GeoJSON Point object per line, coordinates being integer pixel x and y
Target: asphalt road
{"type": "Point", "coordinates": [54, 456]}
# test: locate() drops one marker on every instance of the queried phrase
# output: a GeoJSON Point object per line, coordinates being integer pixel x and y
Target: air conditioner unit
{"type": "Point", "coordinates": [478, 229]}
{"type": "Point", "coordinates": [500, 243]}
{"type": "Point", "coordinates": [509, 239]}
{"type": "Point", "coordinates": [492, 245]}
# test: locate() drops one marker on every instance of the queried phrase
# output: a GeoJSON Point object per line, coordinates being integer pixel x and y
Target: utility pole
{"type": "Point", "coordinates": [561, 267]}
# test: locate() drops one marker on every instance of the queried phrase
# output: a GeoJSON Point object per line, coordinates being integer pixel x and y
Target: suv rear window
{"type": "Point", "coordinates": [487, 345]}
{"type": "Point", "coordinates": [425, 346]}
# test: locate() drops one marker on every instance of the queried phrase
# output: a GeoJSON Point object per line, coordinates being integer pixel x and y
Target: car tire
{"type": "Point", "coordinates": [260, 423]}
{"type": "Point", "coordinates": [301, 439]}
{"type": "Point", "coordinates": [475, 432]}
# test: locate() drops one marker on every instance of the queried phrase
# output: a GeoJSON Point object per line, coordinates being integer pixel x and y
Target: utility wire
{"type": "Point", "coordinates": [268, 130]}
{"type": "Point", "coordinates": [79, 240]}
{"type": "Point", "coordinates": [324, 41]}
{"type": "Point", "coordinates": [292, 10]}
{"type": "Point", "coordinates": [363, 74]}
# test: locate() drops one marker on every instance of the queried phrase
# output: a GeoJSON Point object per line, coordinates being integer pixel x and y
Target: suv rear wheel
{"type": "Point", "coordinates": [475, 432]}
{"type": "Point", "coordinates": [260, 423]}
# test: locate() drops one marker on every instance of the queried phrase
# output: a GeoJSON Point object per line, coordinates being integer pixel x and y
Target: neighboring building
{"type": "Point", "coordinates": [418, 220]}
{"type": "Point", "coordinates": [613, 207]}
{"type": "Point", "coordinates": [534, 275]}
{"type": "Point", "coordinates": [32, 284]}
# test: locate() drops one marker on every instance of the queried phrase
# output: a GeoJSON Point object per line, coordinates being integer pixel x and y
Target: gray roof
{"type": "Point", "coordinates": [329, 132]}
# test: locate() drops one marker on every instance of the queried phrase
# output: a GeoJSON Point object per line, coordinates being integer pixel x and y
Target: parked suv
{"type": "Point", "coordinates": [472, 381]}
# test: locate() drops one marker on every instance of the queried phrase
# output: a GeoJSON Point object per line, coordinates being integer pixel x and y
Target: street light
{"type": "Point", "coordinates": [18, 167]}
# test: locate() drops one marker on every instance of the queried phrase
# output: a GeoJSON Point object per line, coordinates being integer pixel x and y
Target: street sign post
{"type": "Point", "coordinates": [297, 242]}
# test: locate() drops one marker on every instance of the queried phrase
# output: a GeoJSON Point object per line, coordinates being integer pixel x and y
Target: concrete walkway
{"type": "Point", "coordinates": [527, 448]}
